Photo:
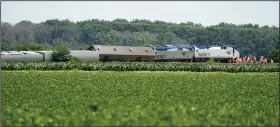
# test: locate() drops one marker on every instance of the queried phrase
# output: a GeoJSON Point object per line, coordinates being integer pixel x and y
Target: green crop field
{"type": "Point", "coordinates": [61, 98]}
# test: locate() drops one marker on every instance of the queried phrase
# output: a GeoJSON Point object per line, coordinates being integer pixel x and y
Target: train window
{"type": "Point", "coordinates": [130, 49]}
{"type": "Point", "coordinates": [180, 49]}
{"type": "Point", "coordinates": [115, 49]}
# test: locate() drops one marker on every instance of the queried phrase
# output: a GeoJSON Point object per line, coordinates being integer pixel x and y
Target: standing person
{"type": "Point", "coordinates": [271, 61]}
{"type": "Point", "coordinates": [233, 59]}
{"type": "Point", "coordinates": [251, 59]}
{"type": "Point", "coordinates": [261, 59]}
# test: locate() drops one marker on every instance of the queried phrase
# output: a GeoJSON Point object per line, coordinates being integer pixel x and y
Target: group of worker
{"type": "Point", "coordinates": [251, 60]}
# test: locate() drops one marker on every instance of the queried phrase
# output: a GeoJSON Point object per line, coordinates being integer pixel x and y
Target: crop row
{"type": "Point", "coordinates": [178, 115]}
{"type": "Point", "coordinates": [110, 98]}
{"type": "Point", "coordinates": [143, 66]}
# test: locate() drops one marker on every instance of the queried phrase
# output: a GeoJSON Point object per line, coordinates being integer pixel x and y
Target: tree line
{"type": "Point", "coordinates": [250, 39]}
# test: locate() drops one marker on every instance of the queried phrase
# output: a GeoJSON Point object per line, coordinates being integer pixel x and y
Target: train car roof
{"type": "Point", "coordinates": [19, 53]}
{"type": "Point", "coordinates": [213, 45]}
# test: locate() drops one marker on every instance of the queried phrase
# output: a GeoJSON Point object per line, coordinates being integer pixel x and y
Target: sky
{"type": "Point", "coordinates": [205, 12]}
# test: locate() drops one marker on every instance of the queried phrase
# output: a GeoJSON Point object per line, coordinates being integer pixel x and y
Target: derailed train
{"type": "Point", "coordinates": [161, 53]}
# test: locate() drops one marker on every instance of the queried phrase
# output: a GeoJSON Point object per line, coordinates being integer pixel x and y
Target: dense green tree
{"type": "Point", "coordinates": [275, 55]}
{"type": "Point", "coordinates": [30, 47]}
{"type": "Point", "coordinates": [61, 52]}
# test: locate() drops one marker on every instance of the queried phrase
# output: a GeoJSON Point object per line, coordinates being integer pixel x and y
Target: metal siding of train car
{"type": "Point", "coordinates": [21, 56]}
{"type": "Point", "coordinates": [214, 52]}
{"type": "Point", "coordinates": [236, 54]}
{"type": "Point", "coordinates": [123, 53]}
{"type": "Point", "coordinates": [86, 55]}
{"type": "Point", "coordinates": [174, 52]}
{"type": "Point", "coordinates": [174, 55]}
{"type": "Point", "coordinates": [83, 54]}
{"type": "Point", "coordinates": [47, 55]}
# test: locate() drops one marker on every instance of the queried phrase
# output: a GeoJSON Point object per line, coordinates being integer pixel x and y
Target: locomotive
{"type": "Point", "coordinates": [156, 53]}
{"type": "Point", "coordinates": [201, 53]}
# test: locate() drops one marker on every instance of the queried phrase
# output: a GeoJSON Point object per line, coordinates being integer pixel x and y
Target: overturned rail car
{"type": "Point", "coordinates": [123, 53]}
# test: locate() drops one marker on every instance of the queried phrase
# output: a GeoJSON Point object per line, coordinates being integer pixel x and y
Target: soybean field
{"type": "Point", "coordinates": [138, 98]}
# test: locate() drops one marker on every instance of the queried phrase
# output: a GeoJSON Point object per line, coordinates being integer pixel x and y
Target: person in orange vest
{"type": "Point", "coordinates": [262, 59]}
{"type": "Point", "coordinates": [265, 60]}
{"type": "Point", "coordinates": [240, 60]}
{"type": "Point", "coordinates": [248, 59]}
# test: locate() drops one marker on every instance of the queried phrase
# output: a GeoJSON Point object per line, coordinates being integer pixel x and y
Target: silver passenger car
{"type": "Point", "coordinates": [21, 56]}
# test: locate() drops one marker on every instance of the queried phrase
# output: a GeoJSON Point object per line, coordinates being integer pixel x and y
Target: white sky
{"type": "Point", "coordinates": [204, 12]}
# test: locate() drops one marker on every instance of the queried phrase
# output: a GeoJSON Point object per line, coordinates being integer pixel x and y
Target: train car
{"type": "Point", "coordinates": [173, 53]}
{"type": "Point", "coordinates": [21, 56]}
{"type": "Point", "coordinates": [189, 53]}
{"type": "Point", "coordinates": [123, 53]}
{"type": "Point", "coordinates": [86, 55]}
{"type": "Point", "coordinates": [47, 55]}
{"type": "Point", "coordinates": [203, 53]}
